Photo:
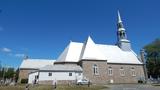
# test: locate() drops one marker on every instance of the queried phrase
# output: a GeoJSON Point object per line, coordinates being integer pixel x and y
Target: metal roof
{"type": "Point", "coordinates": [35, 63]}
{"type": "Point", "coordinates": [76, 51]}
{"type": "Point", "coordinates": [61, 68]}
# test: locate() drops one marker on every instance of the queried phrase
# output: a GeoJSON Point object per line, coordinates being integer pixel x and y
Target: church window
{"type": "Point", "coordinates": [95, 69]}
{"type": "Point", "coordinates": [110, 71]}
{"type": "Point", "coordinates": [49, 74]}
{"type": "Point", "coordinates": [133, 73]}
{"type": "Point", "coordinates": [122, 72]}
{"type": "Point", "coordinates": [70, 74]}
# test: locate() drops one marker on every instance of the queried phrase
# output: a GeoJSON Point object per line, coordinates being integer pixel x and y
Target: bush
{"type": "Point", "coordinates": [24, 81]}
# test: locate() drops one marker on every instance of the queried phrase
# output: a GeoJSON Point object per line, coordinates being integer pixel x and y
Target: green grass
{"type": "Point", "coordinates": [18, 87]}
{"type": "Point", "coordinates": [49, 87]}
{"type": "Point", "coordinates": [74, 87]}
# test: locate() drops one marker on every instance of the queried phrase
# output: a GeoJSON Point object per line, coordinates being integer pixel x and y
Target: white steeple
{"type": "Point", "coordinates": [122, 41]}
{"type": "Point", "coordinates": [120, 24]}
{"type": "Point", "coordinates": [121, 30]}
{"type": "Point", "coordinates": [119, 17]}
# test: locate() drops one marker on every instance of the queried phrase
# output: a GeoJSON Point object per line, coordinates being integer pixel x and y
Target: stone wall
{"type": "Point", "coordinates": [101, 77]}
{"type": "Point", "coordinates": [23, 74]}
{"type": "Point", "coordinates": [127, 78]}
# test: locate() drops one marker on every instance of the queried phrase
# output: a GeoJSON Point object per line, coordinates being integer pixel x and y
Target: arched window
{"type": "Point", "coordinates": [110, 71]}
{"type": "Point", "coordinates": [122, 72]}
{"type": "Point", "coordinates": [95, 69]}
{"type": "Point", "coordinates": [133, 73]}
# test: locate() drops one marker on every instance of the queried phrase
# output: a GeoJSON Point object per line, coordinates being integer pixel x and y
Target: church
{"type": "Point", "coordinates": [98, 63]}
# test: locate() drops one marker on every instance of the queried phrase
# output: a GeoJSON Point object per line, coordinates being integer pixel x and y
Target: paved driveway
{"type": "Point", "coordinates": [133, 87]}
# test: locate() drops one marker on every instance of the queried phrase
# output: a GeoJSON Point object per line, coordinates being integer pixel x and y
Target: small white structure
{"type": "Point", "coordinates": [56, 73]}
{"type": "Point", "coordinates": [33, 77]}
{"type": "Point", "coordinates": [31, 65]}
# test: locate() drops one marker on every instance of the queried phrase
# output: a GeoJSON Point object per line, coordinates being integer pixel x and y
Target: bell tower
{"type": "Point", "coordinates": [122, 40]}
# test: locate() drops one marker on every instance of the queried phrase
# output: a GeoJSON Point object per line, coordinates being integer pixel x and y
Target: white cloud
{"type": "Point", "coordinates": [20, 55]}
{"type": "Point", "coordinates": [6, 50]}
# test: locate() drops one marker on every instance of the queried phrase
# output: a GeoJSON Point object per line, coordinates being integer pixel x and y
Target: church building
{"type": "Point", "coordinates": [98, 63]}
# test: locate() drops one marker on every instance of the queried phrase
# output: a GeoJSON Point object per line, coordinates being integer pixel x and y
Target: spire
{"type": "Point", "coordinates": [122, 41]}
{"type": "Point", "coordinates": [119, 17]}
{"type": "Point", "coordinates": [121, 30]}
{"type": "Point", "coordinates": [120, 24]}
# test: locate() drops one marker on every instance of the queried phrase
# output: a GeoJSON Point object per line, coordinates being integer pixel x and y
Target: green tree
{"type": "Point", "coordinates": [153, 58]}
{"type": "Point", "coordinates": [10, 73]}
{"type": "Point", "coordinates": [1, 73]}
{"type": "Point", "coordinates": [17, 74]}
{"type": "Point", "coordinates": [7, 73]}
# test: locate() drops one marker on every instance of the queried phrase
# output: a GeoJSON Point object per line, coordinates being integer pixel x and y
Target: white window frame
{"type": "Point", "coordinates": [122, 72]}
{"type": "Point", "coordinates": [133, 72]}
{"type": "Point", "coordinates": [95, 69]}
{"type": "Point", "coordinates": [70, 74]}
{"type": "Point", "coordinates": [110, 71]}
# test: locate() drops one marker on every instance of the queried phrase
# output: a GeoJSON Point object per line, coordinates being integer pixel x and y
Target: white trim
{"type": "Point", "coordinates": [122, 71]}
{"type": "Point", "coordinates": [110, 71]}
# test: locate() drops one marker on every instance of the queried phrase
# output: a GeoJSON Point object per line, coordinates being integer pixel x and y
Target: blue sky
{"type": "Point", "coordinates": [43, 28]}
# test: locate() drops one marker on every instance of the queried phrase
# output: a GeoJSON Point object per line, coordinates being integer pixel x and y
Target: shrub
{"type": "Point", "coordinates": [24, 81]}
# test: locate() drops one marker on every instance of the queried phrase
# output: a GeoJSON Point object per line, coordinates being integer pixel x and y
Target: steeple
{"type": "Point", "coordinates": [122, 41]}
{"type": "Point", "coordinates": [119, 17]}
{"type": "Point", "coordinates": [121, 30]}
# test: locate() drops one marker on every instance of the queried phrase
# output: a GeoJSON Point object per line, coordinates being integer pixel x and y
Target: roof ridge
{"type": "Point", "coordinates": [86, 51]}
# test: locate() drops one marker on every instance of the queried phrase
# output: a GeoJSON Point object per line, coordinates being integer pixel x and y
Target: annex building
{"type": "Point", "coordinates": [99, 63]}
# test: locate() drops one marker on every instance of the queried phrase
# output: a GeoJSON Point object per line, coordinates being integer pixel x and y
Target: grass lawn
{"type": "Point", "coordinates": [18, 87]}
{"type": "Point", "coordinates": [49, 87]}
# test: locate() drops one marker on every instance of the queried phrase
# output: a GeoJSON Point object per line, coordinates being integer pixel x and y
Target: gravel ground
{"type": "Point", "coordinates": [133, 87]}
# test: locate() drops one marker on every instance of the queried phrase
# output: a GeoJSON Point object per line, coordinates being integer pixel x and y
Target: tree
{"type": "Point", "coordinates": [153, 58]}
{"type": "Point", "coordinates": [7, 73]}
{"type": "Point", "coordinates": [1, 73]}
{"type": "Point", "coordinates": [17, 75]}
{"type": "Point", "coordinates": [10, 73]}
